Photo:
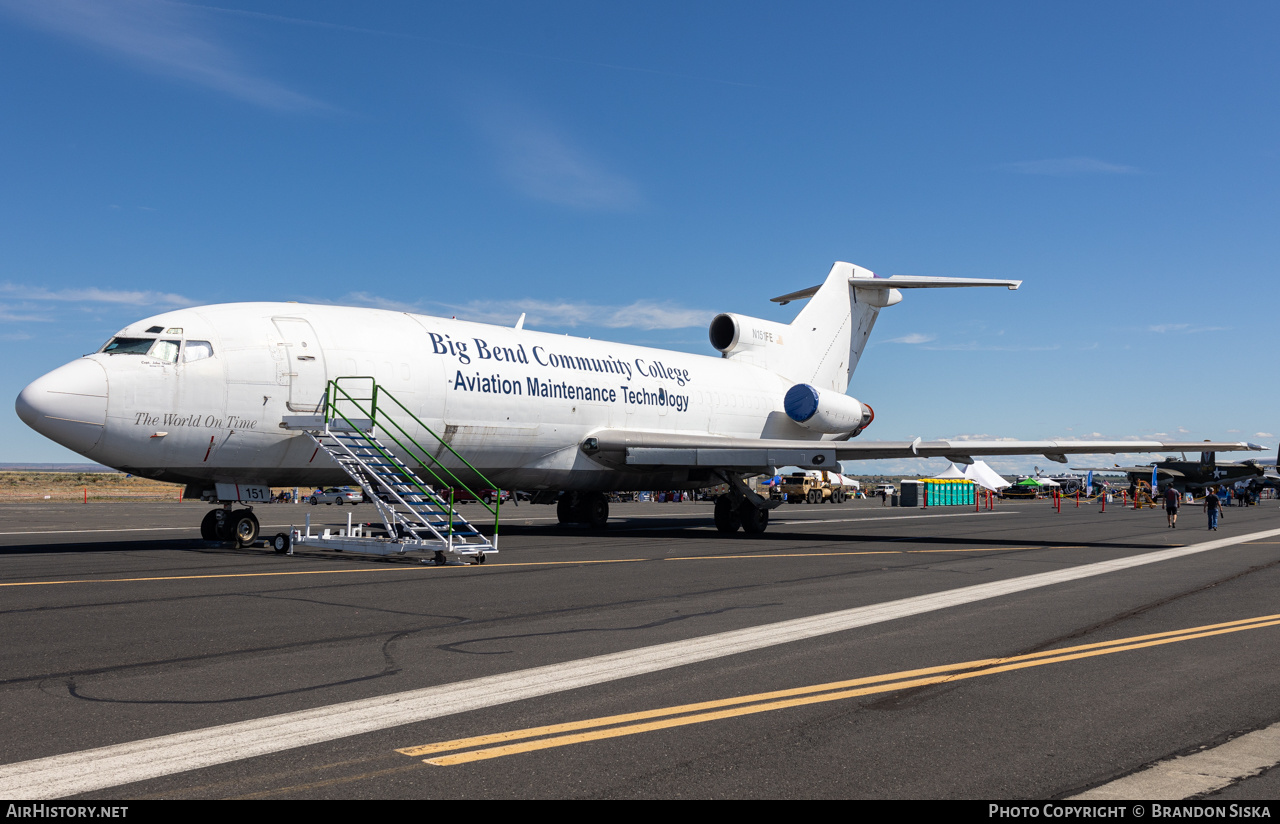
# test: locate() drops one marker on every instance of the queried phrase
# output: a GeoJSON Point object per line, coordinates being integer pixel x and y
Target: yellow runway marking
{"type": "Point", "coordinates": [614, 726]}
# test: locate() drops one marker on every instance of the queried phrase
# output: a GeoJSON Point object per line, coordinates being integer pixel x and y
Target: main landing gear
{"type": "Point", "coordinates": [731, 514]}
{"type": "Point", "coordinates": [742, 508]}
{"type": "Point", "coordinates": [239, 526]}
{"type": "Point", "coordinates": [590, 508]}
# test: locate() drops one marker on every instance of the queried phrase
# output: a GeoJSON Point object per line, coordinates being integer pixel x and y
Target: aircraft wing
{"type": "Point", "coordinates": [1130, 470]}
{"type": "Point", "coordinates": [649, 449]}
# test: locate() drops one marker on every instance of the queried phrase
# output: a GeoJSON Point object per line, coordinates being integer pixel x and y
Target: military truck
{"type": "Point", "coordinates": [814, 487]}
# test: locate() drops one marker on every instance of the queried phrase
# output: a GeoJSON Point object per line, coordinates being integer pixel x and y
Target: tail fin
{"type": "Point", "coordinates": [833, 327]}
{"type": "Point", "coordinates": [823, 344]}
{"type": "Point", "coordinates": [838, 319]}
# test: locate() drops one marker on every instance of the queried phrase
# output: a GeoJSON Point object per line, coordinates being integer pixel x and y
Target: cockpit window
{"type": "Point", "coordinates": [166, 350]}
{"type": "Point", "coordinates": [197, 350]}
{"type": "Point", "coordinates": [128, 346]}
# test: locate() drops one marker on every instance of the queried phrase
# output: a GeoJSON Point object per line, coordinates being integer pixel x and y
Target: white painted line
{"type": "Point", "coordinates": [513, 517]}
{"type": "Point", "coordinates": [891, 518]}
{"type": "Point", "coordinates": [89, 770]}
{"type": "Point", "coordinates": [806, 521]}
{"type": "Point", "coordinates": [129, 529]}
{"type": "Point", "coordinates": [1198, 773]}
{"type": "Point", "coordinates": [80, 531]}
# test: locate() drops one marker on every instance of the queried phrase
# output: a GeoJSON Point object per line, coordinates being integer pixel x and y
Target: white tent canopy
{"type": "Point", "coordinates": [984, 476]}
{"type": "Point", "coordinates": [978, 472]}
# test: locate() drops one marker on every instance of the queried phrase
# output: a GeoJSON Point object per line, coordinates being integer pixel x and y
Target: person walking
{"type": "Point", "coordinates": [1171, 501]}
{"type": "Point", "coordinates": [1212, 505]}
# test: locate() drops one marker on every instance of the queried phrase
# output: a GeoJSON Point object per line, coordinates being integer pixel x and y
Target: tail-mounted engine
{"type": "Point", "coordinates": [831, 413]}
{"type": "Point", "coordinates": [733, 334]}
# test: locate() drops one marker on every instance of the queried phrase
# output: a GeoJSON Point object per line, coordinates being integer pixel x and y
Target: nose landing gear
{"type": "Point", "coordinates": [225, 525]}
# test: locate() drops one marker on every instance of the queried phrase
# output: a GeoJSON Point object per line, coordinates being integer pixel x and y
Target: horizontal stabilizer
{"type": "Point", "coordinates": [901, 282]}
{"type": "Point", "coordinates": [913, 282]}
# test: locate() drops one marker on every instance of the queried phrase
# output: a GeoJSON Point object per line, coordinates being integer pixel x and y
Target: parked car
{"type": "Point", "coordinates": [336, 495]}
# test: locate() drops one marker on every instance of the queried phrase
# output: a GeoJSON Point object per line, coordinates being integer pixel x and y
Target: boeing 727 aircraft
{"type": "Point", "coordinates": [206, 396]}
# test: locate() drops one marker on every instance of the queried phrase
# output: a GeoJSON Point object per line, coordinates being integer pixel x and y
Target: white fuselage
{"type": "Point", "coordinates": [516, 403]}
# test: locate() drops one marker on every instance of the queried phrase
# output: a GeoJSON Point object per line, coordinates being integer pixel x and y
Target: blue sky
{"type": "Point", "coordinates": [625, 172]}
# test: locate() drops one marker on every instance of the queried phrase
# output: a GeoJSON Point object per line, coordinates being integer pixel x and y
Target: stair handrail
{"type": "Point", "coordinates": [331, 401]}
{"type": "Point", "coordinates": [366, 484]}
{"type": "Point", "coordinates": [372, 443]}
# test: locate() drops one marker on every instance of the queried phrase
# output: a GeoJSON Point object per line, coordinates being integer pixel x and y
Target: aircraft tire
{"type": "Point", "coordinates": [209, 526]}
{"type": "Point", "coordinates": [727, 518]}
{"type": "Point", "coordinates": [754, 521]}
{"type": "Point", "coordinates": [244, 529]}
{"type": "Point", "coordinates": [565, 509]}
{"type": "Point", "coordinates": [222, 525]}
{"type": "Point", "coordinates": [595, 510]}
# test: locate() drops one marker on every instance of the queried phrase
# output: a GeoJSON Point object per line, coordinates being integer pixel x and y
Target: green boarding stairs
{"type": "Point", "coordinates": [362, 421]}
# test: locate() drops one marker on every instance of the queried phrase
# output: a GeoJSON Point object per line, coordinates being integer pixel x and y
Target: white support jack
{"type": "Point", "coordinates": [354, 539]}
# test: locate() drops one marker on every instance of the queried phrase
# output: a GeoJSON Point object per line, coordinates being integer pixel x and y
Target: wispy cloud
{"type": "Point", "coordinates": [94, 295]}
{"type": "Point", "coordinates": [13, 314]}
{"type": "Point", "coordinates": [541, 162]}
{"type": "Point", "coordinates": [974, 346]}
{"type": "Point", "coordinates": [914, 337]}
{"type": "Point", "coordinates": [1263, 435]}
{"type": "Point", "coordinates": [34, 304]}
{"type": "Point", "coordinates": [480, 47]}
{"type": "Point", "coordinates": [638, 315]}
{"type": "Point", "coordinates": [169, 39]}
{"type": "Point", "coordinates": [1068, 167]}
{"type": "Point", "coordinates": [1184, 328]}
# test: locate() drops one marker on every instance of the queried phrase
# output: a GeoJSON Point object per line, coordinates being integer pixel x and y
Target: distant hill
{"type": "Point", "coordinates": [54, 467]}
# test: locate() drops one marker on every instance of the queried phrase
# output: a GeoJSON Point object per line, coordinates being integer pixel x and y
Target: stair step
{"type": "Point", "coordinates": [416, 510]}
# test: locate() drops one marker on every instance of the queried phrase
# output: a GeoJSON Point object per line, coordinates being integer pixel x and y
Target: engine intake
{"type": "Point", "coordinates": [733, 334]}
{"type": "Point", "coordinates": [828, 412]}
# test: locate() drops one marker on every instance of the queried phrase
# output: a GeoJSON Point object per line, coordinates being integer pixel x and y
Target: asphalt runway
{"type": "Point", "coordinates": [852, 651]}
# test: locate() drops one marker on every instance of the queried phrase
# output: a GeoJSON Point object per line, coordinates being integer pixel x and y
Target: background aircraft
{"type": "Point", "coordinates": [1186, 475]}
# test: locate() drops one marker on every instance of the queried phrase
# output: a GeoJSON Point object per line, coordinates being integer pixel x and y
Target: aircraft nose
{"type": "Point", "coordinates": [68, 405]}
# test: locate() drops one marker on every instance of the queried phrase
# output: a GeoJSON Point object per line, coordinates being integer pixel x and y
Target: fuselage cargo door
{"type": "Point", "coordinates": [303, 364]}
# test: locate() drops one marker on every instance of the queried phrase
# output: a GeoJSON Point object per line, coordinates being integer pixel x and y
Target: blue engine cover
{"type": "Point", "coordinates": [801, 402]}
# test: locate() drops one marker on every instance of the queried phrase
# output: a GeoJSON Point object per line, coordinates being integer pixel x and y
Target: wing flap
{"type": "Point", "coordinates": [731, 458]}
{"type": "Point", "coordinates": [649, 449]}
